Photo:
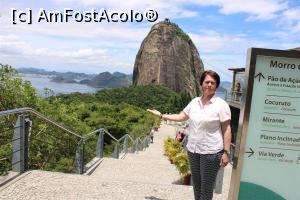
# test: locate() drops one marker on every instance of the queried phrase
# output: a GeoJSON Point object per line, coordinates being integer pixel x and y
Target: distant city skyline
{"type": "Point", "coordinates": [222, 31]}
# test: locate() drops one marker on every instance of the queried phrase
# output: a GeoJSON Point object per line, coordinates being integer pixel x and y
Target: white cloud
{"type": "Point", "coordinates": [296, 28]}
{"type": "Point", "coordinates": [220, 52]}
{"type": "Point", "coordinates": [257, 9]}
{"type": "Point", "coordinates": [13, 50]}
{"type": "Point", "coordinates": [292, 14]}
{"type": "Point", "coordinates": [102, 46]}
{"type": "Point", "coordinates": [290, 20]}
{"type": "Point", "coordinates": [210, 41]}
{"type": "Point", "coordinates": [104, 31]}
{"type": "Point", "coordinates": [81, 30]}
{"type": "Point", "coordinates": [12, 44]}
{"type": "Point", "coordinates": [162, 7]}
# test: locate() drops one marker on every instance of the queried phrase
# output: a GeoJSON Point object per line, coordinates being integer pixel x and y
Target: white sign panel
{"type": "Point", "coordinates": [271, 157]}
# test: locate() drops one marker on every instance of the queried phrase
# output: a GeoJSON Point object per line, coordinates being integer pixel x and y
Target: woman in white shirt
{"type": "Point", "coordinates": [209, 134]}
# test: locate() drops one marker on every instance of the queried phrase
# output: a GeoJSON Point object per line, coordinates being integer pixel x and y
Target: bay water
{"type": "Point", "coordinates": [66, 88]}
{"type": "Point", "coordinates": [58, 88]}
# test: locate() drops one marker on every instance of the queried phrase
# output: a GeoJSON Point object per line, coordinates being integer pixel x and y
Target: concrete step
{"type": "Point", "coordinates": [144, 175]}
{"type": "Point", "coordinates": [161, 172]}
{"type": "Point", "coordinates": [150, 152]}
{"type": "Point", "coordinates": [36, 185]}
{"type": "Point", "coordinates": [146, 157]}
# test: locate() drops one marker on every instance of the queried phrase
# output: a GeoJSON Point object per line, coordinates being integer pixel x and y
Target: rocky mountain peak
{"type": "Point", "coordinates": [168, 57]}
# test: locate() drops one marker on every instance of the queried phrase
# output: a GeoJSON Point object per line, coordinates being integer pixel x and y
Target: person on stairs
{"type": "Point", "coordinates": [209, 138]}
{"type": "Point", "coordinates": [152, 135]}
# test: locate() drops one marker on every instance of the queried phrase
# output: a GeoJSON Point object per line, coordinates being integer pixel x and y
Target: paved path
{"type": "Point", "coordinates": [145, 175]}
{"type": "Point", "coordinates": [149, 166]}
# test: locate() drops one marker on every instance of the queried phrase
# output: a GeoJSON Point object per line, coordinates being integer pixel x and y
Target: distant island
{"type": "Point", "coordinates": [102, 80]}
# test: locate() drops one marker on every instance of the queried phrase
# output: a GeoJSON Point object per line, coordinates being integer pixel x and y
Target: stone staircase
{"type": "Point", "coordinates": [144, 175]}
{"type": "Point", "coordinates": [149, 166]}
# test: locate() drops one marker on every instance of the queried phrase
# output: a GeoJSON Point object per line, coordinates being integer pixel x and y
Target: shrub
{"type": "Point", "coordinates": [182, 164]}
{"type": "Point", "coordinates": [172, 148]}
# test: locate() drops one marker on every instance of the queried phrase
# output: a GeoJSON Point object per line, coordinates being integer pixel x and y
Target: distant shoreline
{"type": "Point", "coordinates": [33, 75]}
{"type": "Point", "coordinates": [41, 82]}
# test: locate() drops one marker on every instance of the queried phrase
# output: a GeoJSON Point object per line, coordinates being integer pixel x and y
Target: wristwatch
{"type": "Point", "coordinates": [226, 152]}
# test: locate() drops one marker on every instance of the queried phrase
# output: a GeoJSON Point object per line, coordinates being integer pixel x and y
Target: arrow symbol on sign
{"type": "Point", "coordinates": [259, 75]}
{"type": "Point", "coordinates": [251, 152]}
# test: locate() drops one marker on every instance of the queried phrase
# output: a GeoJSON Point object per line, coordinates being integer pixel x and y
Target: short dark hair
{"type": "Point", "coordinates": [213, 74]}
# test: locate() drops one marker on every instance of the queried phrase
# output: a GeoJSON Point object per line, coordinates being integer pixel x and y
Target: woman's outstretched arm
{"type": "Point", "coordinates": [172, 117]}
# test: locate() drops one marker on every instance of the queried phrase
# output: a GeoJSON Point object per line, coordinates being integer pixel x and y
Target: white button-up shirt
{"type": "Point", "coordinates": [204, 131]}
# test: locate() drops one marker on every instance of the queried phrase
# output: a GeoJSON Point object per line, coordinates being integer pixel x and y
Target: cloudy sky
{"type": "Point", "coordinates": [222, 30]}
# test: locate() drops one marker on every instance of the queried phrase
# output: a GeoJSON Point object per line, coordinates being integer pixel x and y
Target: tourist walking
{"type": "Point", "coordinates": [152, 135]}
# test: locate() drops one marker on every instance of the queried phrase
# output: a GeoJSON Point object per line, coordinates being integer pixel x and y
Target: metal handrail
{"type": "Point", "coordinates": [82, 138]}
{"type": "Point", "coordinates": [105, 131]}
{"type": "Point", "coordinates": [93, 132]}
{"type": "Point", "coordinates": [121, 138]}
{"type": "Point", "coordinates": [115, 139]}
{"type": "Point", "coordinates": [24, 110]}
{"type": "Point", "coordinates": [140, 139]}
{"type": "Point", "coordinates": [130, 138]}
{"type": "Point", "coordinates": [27, 109]}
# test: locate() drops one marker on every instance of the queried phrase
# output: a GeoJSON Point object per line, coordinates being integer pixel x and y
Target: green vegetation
{"type": "Point", "coordinates": [182, 164]}
{"type": "Point", "coordinates": [50, 147]}
{"type": "Point", "coordinates": [149, 96]}
{"type": "Point", "coordinates": [174, 151]}
{"type": "Point", "coordinates": [172, 147]}
{"type": "Point", "coordinates": [178, 32]}
{"type": "Point", "coordinates": [120, 111]}
{"type": "Point", "coordinates": [15, 93]}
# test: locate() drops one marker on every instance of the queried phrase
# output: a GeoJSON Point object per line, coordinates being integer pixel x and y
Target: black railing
{"type": "Point", "coordinates": [25, 145]}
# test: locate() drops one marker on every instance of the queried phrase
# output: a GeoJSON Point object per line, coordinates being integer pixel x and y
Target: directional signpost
{"type": "Point", "coordinates": [268, 164]}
